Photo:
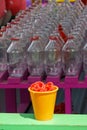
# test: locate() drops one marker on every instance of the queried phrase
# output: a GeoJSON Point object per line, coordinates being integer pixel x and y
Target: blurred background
{"type": "Point", "coordinates": [8, 10]}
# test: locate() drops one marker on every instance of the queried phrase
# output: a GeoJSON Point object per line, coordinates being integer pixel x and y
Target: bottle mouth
{"type": "Point", "coordinates": [35, 38]}
{"type": "Point", "coordinates": [17, 19]}
{"type": "Point", "coordinates": [53, 38]}
{"type": "Point", "coordinates": [0, 35]}
{"type": "Point", "coordinates": [3, 29]}
{"type": "Point", "coordinates": [71, 37]}
{"type": "Point", "coordinates": [14, 22]}
{"type": "Point", "coordinates": [8, 26]}
{"type": "Point", "coordinates": [60, 27]}
{"type": "Point", "coordinates": [21, 16]}
{"type": "Point", "coordinates": [14, 39]}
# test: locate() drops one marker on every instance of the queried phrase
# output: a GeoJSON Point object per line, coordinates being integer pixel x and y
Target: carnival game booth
{"type": "Point", "coordinates": [71, 73]}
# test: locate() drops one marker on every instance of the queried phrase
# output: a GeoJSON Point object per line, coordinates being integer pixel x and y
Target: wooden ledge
{"type": "Point", "coordinates": [27, 121]}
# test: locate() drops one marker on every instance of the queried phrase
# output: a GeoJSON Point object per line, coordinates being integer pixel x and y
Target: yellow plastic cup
{"type": "Point", "coordinates": [43, 103]}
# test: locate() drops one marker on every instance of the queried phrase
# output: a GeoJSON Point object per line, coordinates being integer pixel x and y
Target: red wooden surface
{"type": "Point", "coordinates": [15, 5]}
{"type": "Point", "coordinates": [2, 8]}
{"type": "Point", "coordinates": [84, 1]}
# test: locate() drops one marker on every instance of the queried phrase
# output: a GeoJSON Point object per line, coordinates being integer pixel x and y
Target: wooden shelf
{"type": "Point", "coordinates": [27, 121]}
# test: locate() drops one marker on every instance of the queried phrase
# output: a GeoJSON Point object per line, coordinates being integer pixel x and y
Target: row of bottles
{"type": "Point", "coordinates": [48, 38]}
{"type": "Point", "coordinates": [73, 52]}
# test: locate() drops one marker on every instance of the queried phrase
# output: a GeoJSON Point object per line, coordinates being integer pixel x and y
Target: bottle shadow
{"type": "Point", "coordinates": [28, 115]}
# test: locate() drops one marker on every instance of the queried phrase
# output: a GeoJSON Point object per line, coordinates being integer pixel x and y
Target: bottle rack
{"type": "Point", "coordinates": [11, 84]}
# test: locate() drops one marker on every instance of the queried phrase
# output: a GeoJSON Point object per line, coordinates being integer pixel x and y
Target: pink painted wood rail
{"type": "Point", "coordinates": [11, 84]}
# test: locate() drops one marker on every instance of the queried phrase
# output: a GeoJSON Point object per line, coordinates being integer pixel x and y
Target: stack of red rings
{"type": "Point", "coordinates": [42, 87]}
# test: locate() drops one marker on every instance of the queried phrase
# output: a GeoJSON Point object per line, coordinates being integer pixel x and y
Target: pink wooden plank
{"type": "Point", "coordinates": [68, 103]}
{"type": "Point", "coordinates": [10, 100]}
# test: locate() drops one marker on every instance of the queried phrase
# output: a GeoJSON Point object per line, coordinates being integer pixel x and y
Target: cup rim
{"type": "Point", "coordinates": [45, 92]}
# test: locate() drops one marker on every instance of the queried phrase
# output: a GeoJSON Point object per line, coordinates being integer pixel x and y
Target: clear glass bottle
{"type": "Point", "coordinates": [35, 57]}
{"type": "Point", "coordinates": [53, 62]}
{"type": "Point", "coordinates": [85, 58]}
{"type": "Point", "coordinates": [16, 58]}
{"type": "Point", "coordinates": [71, 58]}
{"type": "Point", "coordinates": [3, 54]}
